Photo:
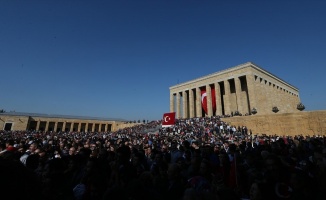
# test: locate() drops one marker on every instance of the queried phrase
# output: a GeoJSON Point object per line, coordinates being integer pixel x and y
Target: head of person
{"type": "Point", "coordinates": [123, 154]}
{"type": "Point", "coordinates": [32, 147]}
{"type": "Point", "coordinates": [72, 151]}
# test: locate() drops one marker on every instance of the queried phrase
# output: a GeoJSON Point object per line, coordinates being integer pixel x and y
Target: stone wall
{"type": "Point", "coordinates": [305, 123]}
{"type": "Point", "coordinates": [19, 122]}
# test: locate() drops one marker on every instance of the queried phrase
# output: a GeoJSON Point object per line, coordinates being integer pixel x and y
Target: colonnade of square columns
{"type": "Point", "coordinates": [73, 126]}
{"type": "Point", "coordinates": [231, 95]}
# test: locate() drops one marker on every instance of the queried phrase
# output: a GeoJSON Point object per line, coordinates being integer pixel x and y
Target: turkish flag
{"type": "Point", "coordinates": [204, 99]}
{"type": "Point", "coordinates": [168, 119]}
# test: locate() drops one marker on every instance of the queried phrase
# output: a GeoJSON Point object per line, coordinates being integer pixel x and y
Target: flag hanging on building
{"type": "Point", "coordinates": [204, 99]}
{"type": "Point", "coordinates": [168, 119]}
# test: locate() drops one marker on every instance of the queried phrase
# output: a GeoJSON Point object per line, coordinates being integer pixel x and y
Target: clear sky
{"type": "Point", "coordinates": [118, 58]}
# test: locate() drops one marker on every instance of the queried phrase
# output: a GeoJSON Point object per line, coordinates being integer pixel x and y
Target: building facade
{"type": "Point", "coordinates": [244, 89]}
{"type": "Point", "coordinates": [11, 121]}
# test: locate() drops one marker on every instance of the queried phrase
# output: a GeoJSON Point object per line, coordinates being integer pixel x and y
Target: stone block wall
{"type": "Point", "coordinates": [298, 123]}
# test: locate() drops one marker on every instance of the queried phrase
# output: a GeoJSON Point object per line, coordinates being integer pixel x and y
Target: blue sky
{"type": "Point", "coordinates": [117, 59]}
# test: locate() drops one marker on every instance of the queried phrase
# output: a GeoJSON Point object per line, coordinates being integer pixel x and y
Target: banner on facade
{"type": "Point", "coordinates": [204, 99]}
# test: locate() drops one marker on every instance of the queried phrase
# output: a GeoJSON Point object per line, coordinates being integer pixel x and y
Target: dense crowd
{"type": "Point", "coordinates": [198, 158]}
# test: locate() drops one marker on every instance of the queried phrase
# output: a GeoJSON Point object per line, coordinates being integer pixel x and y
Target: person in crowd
{"type": "Point", "coordinates": [31, 150]}
{"type": "Point", "coordinates": [227, 163]}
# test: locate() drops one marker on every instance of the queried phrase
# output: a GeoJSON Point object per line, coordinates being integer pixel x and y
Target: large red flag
{"type": "Point", "coordinates": [168, 119]}
{"type": "Point", "coordinates": [204, 99]}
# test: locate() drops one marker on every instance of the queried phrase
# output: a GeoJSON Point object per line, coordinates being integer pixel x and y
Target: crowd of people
{"type": "Point", "coordinates": [198, 158]}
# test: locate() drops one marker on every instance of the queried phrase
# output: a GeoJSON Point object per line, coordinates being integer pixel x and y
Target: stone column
{"type": "Point", "coordinates": [191, 104]}
{"type": "Point", "coordinates": [64, 126]}
{"type": "Point", "coordinates": [38, 125]}
{"type": "Point", "coordinates": [79, 126]}
{"type": "Point", "coordinates": [238, 93]}
{"type": "Point", "coordinates": [55, 126]}
{"type": "Point", "coordinates": [72, 126]}
{"type": "Point", "coordinates": [106, 127]}
{"type": "Point", "coordinates": [198, 103]}
{"type": "Point", "coordinates": [172, 106]}
{"type": "Point", "coordinates": [93, 127]}
{"type": "Point", "coordinates": [100, 127]}
{"type": "Point", "coordinates": [218, 99]}
{"type": "Point", "coordinates": [184, 104]}
{"type": "Point", "coordinates": [227, 102]}
{"type": "Point", "coordinates": [178, 114]}
{"type": "Point", "coordinates": [209, 100]}
{"type": "Point", "coordinates": [251, 91]}
{"type": "Point", "coordinates": [86, 127]}
{"type": "Point", "coordinates": [46, 126]}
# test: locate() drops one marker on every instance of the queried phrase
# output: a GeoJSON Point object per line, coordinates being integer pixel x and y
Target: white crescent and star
{"type": "Point", "coordinates": [167, 118]}
{"type": "Point", "coordinates": [203, 96]}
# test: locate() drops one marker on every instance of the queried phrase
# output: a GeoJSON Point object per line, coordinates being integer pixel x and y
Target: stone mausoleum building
{"type": "Point", "coordinates": [244, 89]}
{"type": "Point", "coordinates": [64, 123]}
